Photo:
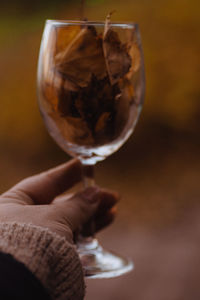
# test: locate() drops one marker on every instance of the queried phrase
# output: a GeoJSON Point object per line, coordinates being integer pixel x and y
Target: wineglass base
{"type": "Point", "coordinates": [98, 263]}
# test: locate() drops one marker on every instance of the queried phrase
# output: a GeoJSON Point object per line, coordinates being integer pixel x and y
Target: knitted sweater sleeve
{"type": "Point", "coordinates": [48, 256]}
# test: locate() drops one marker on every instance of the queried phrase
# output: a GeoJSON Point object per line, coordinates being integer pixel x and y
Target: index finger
{"type": "Point", "coordinates": [44, 187]}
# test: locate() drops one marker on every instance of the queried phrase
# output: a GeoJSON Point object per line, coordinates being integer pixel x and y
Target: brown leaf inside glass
{"type": "Point", "coordinates": [95, 90]}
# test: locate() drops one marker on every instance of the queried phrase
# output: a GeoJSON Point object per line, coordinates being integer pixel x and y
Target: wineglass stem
{"type": "Point", "coordinates": [89, 181]}
{"type": "Point", "coordinates": [87, 244]}
{"type": "Point", "coordinates": [88, 175]}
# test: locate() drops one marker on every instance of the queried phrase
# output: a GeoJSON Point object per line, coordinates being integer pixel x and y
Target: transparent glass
{"type": "Point", "coordinates": [90, 91]}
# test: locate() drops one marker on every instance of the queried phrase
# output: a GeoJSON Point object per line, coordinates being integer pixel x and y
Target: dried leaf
{"type": "Point", "coordinates": [96, 99]}
{"type": "Point", "coordinates": [107, 23]}
{"type": "Point", "coordinates": [77, 131]}
{"type": "Point", "coordinates": [118, 61]}
{"type": "Point", "coordinates": [134, 53]}
{"type": "Point", "coordinates": [50, 95]}
{"type": "Point", "coordinates": [82, 58]}
{"type": "Point", "coordinates": [123, 105]}
{"type": "Point", "coordinates": [51, 88]}
{"type": "Point", "coordinates": [101, 123]}
{"type": "Point", "coordinates": [65, 36]}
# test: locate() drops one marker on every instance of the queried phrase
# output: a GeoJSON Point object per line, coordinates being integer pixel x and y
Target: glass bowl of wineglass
{"type": "Point", "coordinates": [90, 91]}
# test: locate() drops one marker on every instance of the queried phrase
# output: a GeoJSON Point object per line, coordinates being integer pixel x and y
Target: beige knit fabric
{"type": "Point", "coordinates": [50, 257]}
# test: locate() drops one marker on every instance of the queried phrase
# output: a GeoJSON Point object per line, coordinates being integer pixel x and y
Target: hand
{"type": "Point", "coordinates": [35, 200]}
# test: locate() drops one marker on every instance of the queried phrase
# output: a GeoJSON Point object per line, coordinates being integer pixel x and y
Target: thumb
{"type": "Point", "coordinates": [78, 209]}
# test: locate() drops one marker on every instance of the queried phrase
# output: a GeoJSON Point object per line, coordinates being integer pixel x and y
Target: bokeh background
{"type": "Point", "coordinates": [157, 171]}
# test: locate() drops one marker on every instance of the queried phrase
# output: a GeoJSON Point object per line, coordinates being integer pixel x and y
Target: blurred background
{"type": "Point", "coordinates": [156, 171]}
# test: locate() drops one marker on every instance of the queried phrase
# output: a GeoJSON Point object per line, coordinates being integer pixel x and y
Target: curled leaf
{"type": "Point", "coordinates": [65, 36]}
{"type": "Point", "coordinates": [118, 61]}
{"type": "Point", "coordinates": [82, 58]}
{"type": "Point", "coordinates": [77, 131]}
{"type": "Point", "coordinates": [101, 123]}
{"type": "Point", "coordinates": [134, 53]}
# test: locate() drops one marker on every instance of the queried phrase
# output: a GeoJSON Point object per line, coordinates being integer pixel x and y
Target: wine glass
{"type": "Point", "coordinates": [90, 91]}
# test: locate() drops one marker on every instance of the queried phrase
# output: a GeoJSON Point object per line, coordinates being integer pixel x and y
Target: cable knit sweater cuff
{"type": "Point", "coordinates": [50, 257]}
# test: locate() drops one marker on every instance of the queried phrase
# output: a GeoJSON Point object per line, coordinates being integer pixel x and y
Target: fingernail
{"type": "Point", "coordinates": [90, 194]}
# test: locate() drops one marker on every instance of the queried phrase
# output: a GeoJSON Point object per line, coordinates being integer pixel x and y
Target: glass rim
{"type": "Point", "coordinates": [92, 23]}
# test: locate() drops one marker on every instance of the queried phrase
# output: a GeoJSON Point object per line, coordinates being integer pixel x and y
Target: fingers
{"type": "Point", "coordinates": [93, 203]}
{"type": "Point", "coordinates": [105, 214]}
{"type": "Point", "coordinates": [108, 200]}
{"type": "Point", "coordinates": [79, 208]}
{"type": "Point", "coordinates": [102, 222]}
{"type": "Point", "coordinates": [44, 187]}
